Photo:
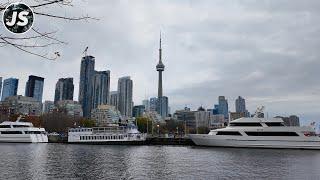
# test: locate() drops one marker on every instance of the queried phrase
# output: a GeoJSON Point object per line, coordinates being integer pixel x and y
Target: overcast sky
{"type": "Point", "coordinates": [266, 51]}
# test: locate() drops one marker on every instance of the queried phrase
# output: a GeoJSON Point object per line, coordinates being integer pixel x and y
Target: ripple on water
{"type": "Point", "coordinates": [62, 161]}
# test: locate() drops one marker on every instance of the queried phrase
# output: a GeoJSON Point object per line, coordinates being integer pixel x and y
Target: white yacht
{"type": "Point", "coordinates": [260, 133]}
{"type": "Point", "coordinates": [21, 132]}
{"type": "Point", "coordinates": [107, 135]}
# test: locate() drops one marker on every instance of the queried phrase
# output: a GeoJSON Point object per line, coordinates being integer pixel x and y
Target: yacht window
{"type": "Point", "coordinates": [33, 132]}
{"type": "Point", "coordinates": [245, 124]}
{"type": "Point", "coordinates": [232, 133]}
{"type": "Point", "coordinates": [271, 133]}
{"type": "Point", "coordinates": [274, 124]}
{"type": "Point", "coordinates": [5, 126]}
{"type": "Point", "coordinates": [11, 132]}
{"type": "Point", "coordinates": [17, 126]}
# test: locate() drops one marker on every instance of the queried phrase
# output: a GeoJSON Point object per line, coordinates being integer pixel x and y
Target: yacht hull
{"type": "Point", "coordinates": [281, 143]}
{"type": "Point", "coordinates": [23, 138]}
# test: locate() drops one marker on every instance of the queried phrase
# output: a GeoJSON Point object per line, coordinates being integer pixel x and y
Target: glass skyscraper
{"type": "Point", "coordinates": [10, 88]}
{"type": "Point", "coordinates": [114, 99]}
{"type": "Point", "coordinates": [223, 107]}
{"type": "Point", "coordinates": [0, 85]}
{"type": "Point", "coordinates": [85, 88]}
{"type": "Point", "coordinates": [125, 96]}
{"type": "Point", "coordinates": [240, 104]}
{"type": "Point", "coordinates": [101, 88]}
{"type": "Point", "coordinates": [162, 107]}
{"type": "Point", "coordinates": [64, 89]}
{"type": "Point", "coordinates": [34, 87]}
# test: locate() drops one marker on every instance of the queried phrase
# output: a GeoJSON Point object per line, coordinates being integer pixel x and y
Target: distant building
{"type": "Point", "coordinates": [34, 87]}
{"type": "Point", "coordinates": [240, 104]}
{"type": "Point", "coordinates": [101, 88]}
{"type": "Point", "coordinates": [223, 106]}
{"type": "Point", "coordinates": [187, 116]}
{"type": "Point", "coordinates": [104, 115]}
{"type": "Point", "coordinates": [48, 107]}
{"type": "Point", "coordinates": [10, 88]}
{"type": "Point", "coordinates": [215, 110]}
{"type": "Point", "coordinates": [237, 115]}
{"type": "Point", "coordinates": [69, 107]}
{"type": "Point", "coordinates": [202, 117]}
{"type": "Point", "coordinates": [146, 104]}
{"type": "Point", "coordinates": [162, 106]}
{"type": "Point", "coordinates": [137, 111]}
{"type": "Point", "coordinates": [153, 104]}
{"type": "Point", "coordinates": [292, 120]}
{"type": "Point", "coordinates": [0, 85]}
{"type": "Point", "coordinates": [64, 89]}
{"type": "Point", "coordinates": [217, 121]}
{"type": "Point", "coordinates": [86, 84]}
{"type": "Point", "coordinates": [23, 105]}
{"type": "Point", "coordinates": [125, 96]}
{"type": "Point", "coordinates": [114, 98]}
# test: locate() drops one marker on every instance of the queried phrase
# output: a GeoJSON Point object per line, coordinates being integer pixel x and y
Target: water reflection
{"type": "Point", "coordinates": [62, 161]}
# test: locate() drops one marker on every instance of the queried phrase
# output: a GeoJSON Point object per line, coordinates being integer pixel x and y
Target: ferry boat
{"type": "Point", "coordinates": [21, 132]}
{"type": "Point", "coordinates": [260, 133]}
{"type": "Point", "coordinates": [107, 135]}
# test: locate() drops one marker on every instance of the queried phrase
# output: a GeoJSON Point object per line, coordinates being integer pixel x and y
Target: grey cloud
{"type": "Point", "coordinates": [266, 51]}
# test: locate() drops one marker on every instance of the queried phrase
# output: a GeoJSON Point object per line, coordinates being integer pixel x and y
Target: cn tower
{"type": "Point", "coordinates": [160, 68]}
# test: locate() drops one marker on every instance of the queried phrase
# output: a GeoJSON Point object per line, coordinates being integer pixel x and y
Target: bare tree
{"type": "Point", "coordinates": [38, 39]}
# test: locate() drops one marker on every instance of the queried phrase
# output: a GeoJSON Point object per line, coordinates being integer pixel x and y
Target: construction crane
{"type": "Point", "coordinates": [85, 51]}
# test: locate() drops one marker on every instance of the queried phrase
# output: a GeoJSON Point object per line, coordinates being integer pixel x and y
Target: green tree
{"type": "Point", "coordinates": [87, 123]}
{"type": "Point", "coordinates": [143, 123]}
{"type": "Point", "coordinates": [203, 130]}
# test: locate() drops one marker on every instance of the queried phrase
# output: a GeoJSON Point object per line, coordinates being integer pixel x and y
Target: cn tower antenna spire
{"type": "Point", "coordinates": [160, 68]}
{"type": "Point", "coordinates": [160, 39]}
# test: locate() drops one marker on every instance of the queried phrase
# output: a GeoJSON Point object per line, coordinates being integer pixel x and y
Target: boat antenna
{"type": "Point", "coordinates": [259, 111]}
{"type": "Point", "coordinates": [18, 119]}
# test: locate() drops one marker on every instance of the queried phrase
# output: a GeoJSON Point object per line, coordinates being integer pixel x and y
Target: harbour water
{"type": "Point", "coordinates": [65, 161]}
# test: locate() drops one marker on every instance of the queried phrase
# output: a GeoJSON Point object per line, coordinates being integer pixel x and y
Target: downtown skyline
{"type": "Point", "coordinates": [202, 62]}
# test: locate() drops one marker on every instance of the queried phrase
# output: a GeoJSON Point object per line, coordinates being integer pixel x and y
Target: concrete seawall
{"type": "Point", "coordinates": [169, 141]}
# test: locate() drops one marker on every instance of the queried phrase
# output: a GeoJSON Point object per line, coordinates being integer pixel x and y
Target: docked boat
{"type": "Point", "coordinates": [107, 135]}
{"type": "Point", "coordinates": [21, 132]}
{"type": "Point", "coordinates": [260, 133]}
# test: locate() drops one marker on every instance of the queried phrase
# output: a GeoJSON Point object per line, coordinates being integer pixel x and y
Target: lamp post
{"type": "Point", "coordinates": [147, 126]}
{"type": "Point", "coordinates": [158, 130]}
